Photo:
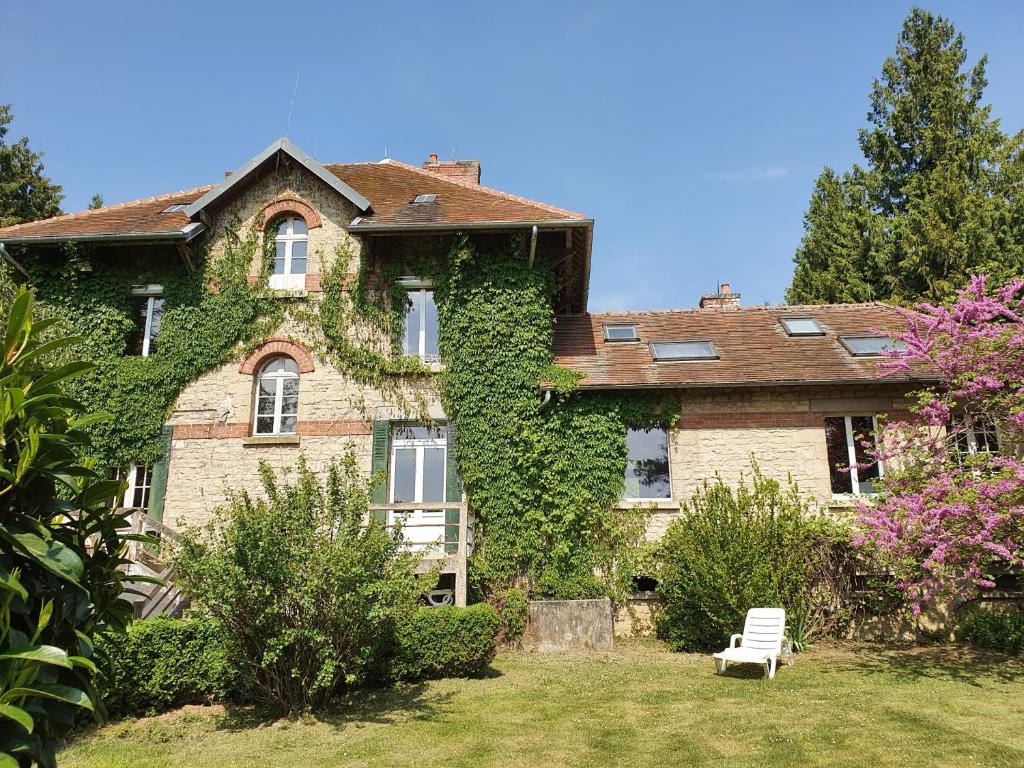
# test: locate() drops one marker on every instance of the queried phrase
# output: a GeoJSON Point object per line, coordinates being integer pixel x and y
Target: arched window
{"type": "Point", "coordinates": [277, 397]}
{"type": "Point", "coordinates": [290, 254]}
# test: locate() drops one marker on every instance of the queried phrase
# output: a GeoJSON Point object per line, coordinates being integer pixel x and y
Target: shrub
{"type": "Point", "coordinates": [61, 564]}
{"type": "Point", "coordinates": [1002, 632]}
{"type": "Point", "coordinates": [513, 608]}
{"type": "Point", "coordinates": [308, 598]}
{"type": "Point", "coordinates": [163, 663]}
{"type": "Point", "coordinates": [733, 549]}
{"type": "Point", "coordinates": [445, 642]}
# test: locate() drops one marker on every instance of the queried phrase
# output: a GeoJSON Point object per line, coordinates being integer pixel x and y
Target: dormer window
{"type": "Point", "coordinates": [290, 245]}
{"type": "Point", "coordinates": [620, 332]}
{"type": "Point", "coordinates": [801, 326]}
{"type": "Point", "coordinates": [870, 345]}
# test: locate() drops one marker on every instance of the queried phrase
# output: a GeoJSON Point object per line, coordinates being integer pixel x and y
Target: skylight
{"type": "Point", "coordinates": [870, 346]}
{"type": "Point", "coordinates": [620, 332]}
{"type": "Point", "coordinates": [683, 350]}
{"type": "Point", "coordinates": [425, 198]}
{"type": "Point", "coordinates": [801, 326]}
{"type": "Point", "coordinates": [175, 208]}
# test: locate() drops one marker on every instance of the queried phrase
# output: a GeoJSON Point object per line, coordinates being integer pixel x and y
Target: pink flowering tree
{"type": "Point", "coordinates": [951, 511]}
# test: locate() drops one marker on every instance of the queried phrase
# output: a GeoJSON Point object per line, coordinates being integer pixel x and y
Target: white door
{"type": "Point", "coordinates": [419, 457]}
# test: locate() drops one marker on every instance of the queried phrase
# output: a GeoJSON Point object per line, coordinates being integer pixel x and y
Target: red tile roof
{"type": "Point", "coordinates": [389, 185]}
{"type": "Point", "coordinates": [752, 346]}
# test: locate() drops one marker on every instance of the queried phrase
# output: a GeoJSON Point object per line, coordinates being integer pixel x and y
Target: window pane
{"type": "Point", "coordinates": [139, 332]}
{"type": "Point", "coordinates": [404, 474]}
{"type": "Point", "coordinates": [802, 326]}
{"type": "Point", "coordinates": [433, 474]}
{"type": "Point", "coordinates": [298, 227]}
{"type": "Point", "coordinates": [267, 387]}
{"type": "Point", "coordinates": [298, 267]}
{"type": "Point", "coordinates": [279, 266]}
{"type": "Point", "coordinates": [290, 405]}
{"type": "Point", "coordinates": [985, 434]}
{"type": "Point", "coordinates": [870, 345]}
{"type": "Point", "coordinates": [288, 425]}
{"type": "Point", "coordinates": [647, 469]}
{"type": "Point", "coordinates": [430, 324]}
{"type": "Point", "coordinates": [265, 405]}
{"type": "Point", "coordinates": [265, 425]}
{"type": "Point", "coordinates": [683, 350]}
{"type": "Point", "coordinates": [291, 387]}
{"type": "Point", "coordinates": [412, 324]}
{"type": "Point", "coordinates": [282, 228]}
{"type": "Point", "coordinates": [863, 429]}
{"type": "Point", "coordinates": [838, 454]}
{"type": "Point", "coordinates": [620, 332]}
{"type": "Point", "coordinates": [420, 432]}
{"type": "Point", "coordinates": [154, 326]}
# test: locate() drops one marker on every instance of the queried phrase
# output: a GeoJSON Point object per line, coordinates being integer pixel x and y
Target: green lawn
{"type": "Point", "coordinates": [637, 706]}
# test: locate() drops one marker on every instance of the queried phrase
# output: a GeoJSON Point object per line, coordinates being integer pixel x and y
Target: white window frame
{"type": "Point", "coordinates": [419, 444]}
{"type": "Point", "coordinates": [150, 293]}
{"type": "Point", "coordinates": [290, 280]}
{"type": "Point", "coordinates": [278, 378]}
{"type": "Point", "coordinates": [851, 456]}
{"type": "Point", "coordinates": [138, 474]}
{"type": "Point", "coordinates": [417, 289]}
{"type": "Point", "coordinates": [609, 327]}
{"type": "Point", "coordinates": [668, 456]}
{"type": "Point", "coordinates": [967, 420]}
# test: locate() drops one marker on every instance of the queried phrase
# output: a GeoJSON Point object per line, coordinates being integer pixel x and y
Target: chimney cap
{"type": "Point", "coordinates": [723, 288]}
{"type": "Point", "coordinates": [432, 158]}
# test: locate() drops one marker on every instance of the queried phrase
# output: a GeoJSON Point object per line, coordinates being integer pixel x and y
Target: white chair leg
{"type": "Point", "coordinates": [770, 668]}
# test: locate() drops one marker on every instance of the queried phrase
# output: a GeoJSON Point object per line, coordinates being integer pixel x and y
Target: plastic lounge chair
{"type": "Point", "coordinates": [760, 643]}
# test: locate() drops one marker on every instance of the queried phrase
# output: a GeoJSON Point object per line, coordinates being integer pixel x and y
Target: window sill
{"type": "Point", "coordinates": [271, 440]}
{"type": "Point", "coordinates": [658, 504]}
{"type": "Point", "coordinates": [289, 293]}
{"type": "Point", "coordinates": [851, 499]}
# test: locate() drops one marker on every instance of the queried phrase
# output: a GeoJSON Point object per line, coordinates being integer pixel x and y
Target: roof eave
{"type": "Point", "coordinates": [462, 225]}
{"type": "Point", "coordinates": [756, 383]}
{"type": "Point", "coordinates": [281, 145]}
{"type": "Point", "coordinates": [95, 237]}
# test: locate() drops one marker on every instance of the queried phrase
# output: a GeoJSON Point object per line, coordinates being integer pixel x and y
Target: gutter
{"type": "Point", "coordinates": [455, 227]}
{"type": "Point", "coordinates": [12, 261]}
{"type": "Point", "coordinates": [533, 246]}
{"type": "Point", "coordinates": [545, 387]}
{"type": "Point", "coordinates": [109, 236]}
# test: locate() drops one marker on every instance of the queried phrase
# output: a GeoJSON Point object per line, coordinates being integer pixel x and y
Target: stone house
{"type": "Point", "coordinates": [793, 385]}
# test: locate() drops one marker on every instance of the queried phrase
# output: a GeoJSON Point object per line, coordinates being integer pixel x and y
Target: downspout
{"type": "Point", "coordinates": [533, 246]}
{"type": "Point", "coordinates": [11, 260]}
{"type": "Point", "coordinates": [547, 399]}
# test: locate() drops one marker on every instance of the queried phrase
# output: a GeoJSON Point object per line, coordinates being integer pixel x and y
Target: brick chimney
{"type": "Point", "coordinates": [459, 170]}
{"type": "Point", "coordinates": [724, 299]}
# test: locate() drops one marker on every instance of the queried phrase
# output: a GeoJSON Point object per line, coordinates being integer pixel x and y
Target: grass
{"type": "Point", "coordinates": [639, 705]}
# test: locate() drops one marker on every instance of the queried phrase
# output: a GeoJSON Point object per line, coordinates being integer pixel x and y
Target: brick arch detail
{"type": "Point", "coordinates": [274, 347]}
{"type": "Point", "coordinates": [295, 205]}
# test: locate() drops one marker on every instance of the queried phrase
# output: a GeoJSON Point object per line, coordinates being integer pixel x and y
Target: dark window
{"type": "Point", "coordinates": [851, 467]}
{"type": "Point", "coordinates": [148, 312]}
{"type": "Point", "coordinates": [683, 350]}
{"type": "Point", "coordinates": [870, 346]}
{"type": "Point", "coordinates": [647, 468]}
{"type": "Point", "coordinates": [801, 326]}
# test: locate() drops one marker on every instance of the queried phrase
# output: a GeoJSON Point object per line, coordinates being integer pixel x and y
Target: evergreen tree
{"type": "Point", "coordinates": [25, 193]}
{"type": "Point", "coordinates": [940, 197]}
{"type": "Point", "coordinates": [96, 202]}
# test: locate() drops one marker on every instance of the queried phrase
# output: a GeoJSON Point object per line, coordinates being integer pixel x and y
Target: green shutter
{"type": "Point", "coordinates": [453, 492]}
{"type": "Point", "coordinates": [379, 466]}
{"type": "Point", "coordinates": [161, 467]}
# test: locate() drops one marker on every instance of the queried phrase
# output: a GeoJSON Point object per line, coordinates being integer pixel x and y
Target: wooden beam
{"type": "Point", "coordinates": [186, 255]}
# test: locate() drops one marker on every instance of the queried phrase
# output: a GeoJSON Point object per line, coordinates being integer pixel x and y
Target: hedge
{"type": "Point", "coordinates": [445, 642]}
{"type": "Point", "coordinates": [164, 663]}
{"type": "Point", "coordinates": [1002, 632]}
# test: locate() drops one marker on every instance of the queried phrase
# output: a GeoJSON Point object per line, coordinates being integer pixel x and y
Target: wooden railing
{"type": "Point", "coordinates": [158, 598]}
{"type": "Point", "coordinates": [451, 553]}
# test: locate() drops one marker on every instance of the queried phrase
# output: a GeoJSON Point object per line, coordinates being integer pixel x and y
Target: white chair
{"type": "Point", "coordinates": [760, 643]}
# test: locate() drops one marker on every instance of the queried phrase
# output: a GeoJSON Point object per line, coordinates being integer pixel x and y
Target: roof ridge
{"type": "Point", "coordinates": [479, 188]}
{"type": "Point", "coordinates": [115, 206]}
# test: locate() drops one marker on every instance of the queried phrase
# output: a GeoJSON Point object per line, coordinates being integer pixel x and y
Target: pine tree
{"type": "Point", "coordinates": [941, 188]}
{"type": "Point", "coordinates": [96, 202]}
{"type": "Point", "coordinates": [25, 193]}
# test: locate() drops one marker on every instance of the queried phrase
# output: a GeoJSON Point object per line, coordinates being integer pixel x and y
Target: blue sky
{"type": "Point", "coordinates": [691, 132]}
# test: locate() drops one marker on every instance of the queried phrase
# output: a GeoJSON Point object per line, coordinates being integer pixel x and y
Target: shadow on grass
{"type": "Point", "coordinates": [943, 662]}
{"type": "Point", "coordinates": [383, 705]}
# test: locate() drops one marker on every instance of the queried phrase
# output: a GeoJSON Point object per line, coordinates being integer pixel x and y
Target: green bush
{"type": "Point", "coordinates": [1002, 632]}
{"type": "Point", "coordinates": [445, 642]}
{"type": "Point", "coordinates": [513, 608]}
{"type": "Point", "coordinates": [308, 598]}
{"type": "Point", "coordinates": [164, 663]}
{"type": "Point", "coordinates": [732, 549]}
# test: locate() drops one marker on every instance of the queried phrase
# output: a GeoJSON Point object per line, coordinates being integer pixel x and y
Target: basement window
{"type": "Point", "coordinates": [683, 350]}
{"type": "Point", "coordinates": [870, 346]}
{"type": "Point", "coordinates": [425, 198]}
{"type": "Point", "coordinates": [801, 326]}
{"type": "Point", "coordinates": [620, 332]}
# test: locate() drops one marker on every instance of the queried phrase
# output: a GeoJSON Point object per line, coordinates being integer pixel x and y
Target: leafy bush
{"type": "Point", "coordinates": [308, 597]}
{"type": "Point", "coordinates": [739, 548]}
{"type": "Point", "coordinates": [1002, 632]}
{"type": "Point", "coordinates": [445, 642]}
{"type": "Point", "coordinates": [513, 608]}
{"type": "Point", "coordinates": [61, 576]}
{"type": "Point", "coordinates": [163, 663]}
